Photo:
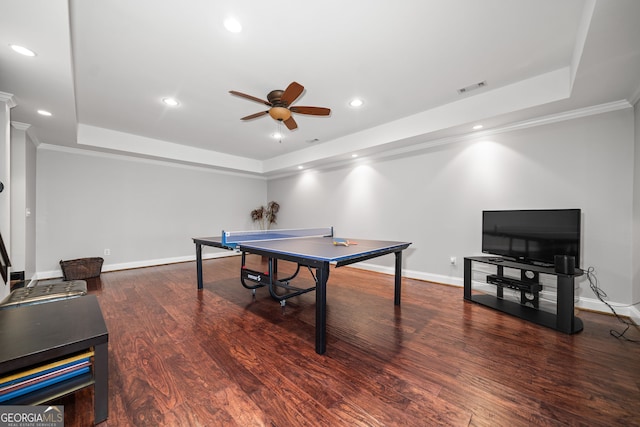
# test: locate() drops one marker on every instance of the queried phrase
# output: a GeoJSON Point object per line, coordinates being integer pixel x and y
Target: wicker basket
{"type": "Point", "coordinates": [83, 268]}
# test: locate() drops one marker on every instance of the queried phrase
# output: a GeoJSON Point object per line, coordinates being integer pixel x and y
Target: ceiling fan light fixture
{"type": "Point", "coordinates": [280, 113]}
{"type": "Point", "coordinates": [279, 101]}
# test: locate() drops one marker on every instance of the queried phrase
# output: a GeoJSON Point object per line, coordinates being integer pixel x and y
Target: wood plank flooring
{"type": "Point", "coordinates": [179, 357]}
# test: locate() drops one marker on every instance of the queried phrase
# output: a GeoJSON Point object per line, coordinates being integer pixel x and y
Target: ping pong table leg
{"type": "Point", "coordinates": [322, 274]}
{"type": "Point", "coordinates": [398, 279]}
{"type": "Point", "coordinates": [199, 264]}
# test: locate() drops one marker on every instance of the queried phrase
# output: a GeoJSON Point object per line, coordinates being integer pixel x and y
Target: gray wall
{"type": "Point", "coordinates": [145, 212]}
{"type": "Point", "coordinates": [23, 199]}
{"type": "Point", "coordinates": [434, 198]}
{"type": "Point", "coordinates": [636, 214]}
{"type": "Point", "coordinates": [5, 196]}
{"type": "Point", "coordinates": [30, 226]}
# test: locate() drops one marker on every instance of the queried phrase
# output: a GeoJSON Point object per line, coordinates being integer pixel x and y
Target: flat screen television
{"type": "Point", "coordinates": [532, 236]}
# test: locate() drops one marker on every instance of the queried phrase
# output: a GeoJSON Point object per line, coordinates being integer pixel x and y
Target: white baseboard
{"type": "Point", "coordinates": [587, 303]}
{"type": "Point", "coordinates": [411, 274]}
{"type": "Point", "coordinates": [54, 274]}
{"type": "Point", "coordinates": [621, 309]}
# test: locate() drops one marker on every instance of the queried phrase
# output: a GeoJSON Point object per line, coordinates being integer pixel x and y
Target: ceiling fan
{"type": "Point", "coordinates": [280, 102]}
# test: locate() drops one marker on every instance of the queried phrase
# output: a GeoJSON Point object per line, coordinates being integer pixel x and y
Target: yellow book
{"type": "Point", "coordinates": [42, 368]}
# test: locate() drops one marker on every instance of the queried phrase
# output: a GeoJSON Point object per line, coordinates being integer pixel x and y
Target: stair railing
{"type": "Point", "coordinates": [5, 263]}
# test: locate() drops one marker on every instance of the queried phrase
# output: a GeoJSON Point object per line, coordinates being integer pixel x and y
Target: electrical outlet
{"type": "Point", "coordinates": [453, 260]}
{"type": "Point", "coordinates": [107, 251]}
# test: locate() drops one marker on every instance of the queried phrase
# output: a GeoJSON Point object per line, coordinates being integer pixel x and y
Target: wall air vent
{"type": "Point", "coordinates": [472, 87]}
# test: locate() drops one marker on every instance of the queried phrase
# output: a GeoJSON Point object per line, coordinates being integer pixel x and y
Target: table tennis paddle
{"type": "Point", "coordinates": [343, 242]}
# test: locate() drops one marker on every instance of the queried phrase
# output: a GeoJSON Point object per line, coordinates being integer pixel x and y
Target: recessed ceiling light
{"type": "Point", "coordinates": [232, 25]}
{"type": "Point", "coordinates": [22, 50]}
{"type": "Point", "coordinates": [357, 102]}
{"type": "Point", "coordinates": [172, 102]}
{"type": "Point", "coordinates": [477, 127]}
{"type": "Point", "coordinates": [300, 167]}
{"type": "Point", "coordinates": [354, 155]}
{"type": "Point", "coordinates": [44, 113]}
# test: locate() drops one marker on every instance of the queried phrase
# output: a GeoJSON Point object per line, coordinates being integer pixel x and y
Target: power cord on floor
{"type": "Point", "coordinates": [593, 283]}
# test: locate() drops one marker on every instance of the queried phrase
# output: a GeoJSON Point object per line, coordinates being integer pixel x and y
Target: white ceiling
{"type": "Point", "coordinates": [103, 66]}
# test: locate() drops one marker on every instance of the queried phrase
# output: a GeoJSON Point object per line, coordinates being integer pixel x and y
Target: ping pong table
{"type": "Point", "coordinates": [313, 248]}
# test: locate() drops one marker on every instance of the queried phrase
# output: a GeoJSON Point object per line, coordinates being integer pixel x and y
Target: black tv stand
{"type": "Point", "coordinates": [529, 286]}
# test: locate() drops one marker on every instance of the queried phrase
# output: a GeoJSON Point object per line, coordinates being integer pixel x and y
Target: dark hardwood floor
{"type": "Point", "coordinates": [179, 357]}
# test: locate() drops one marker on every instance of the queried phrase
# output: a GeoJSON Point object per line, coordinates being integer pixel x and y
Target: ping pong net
{"type": "Point", "coordinates": [232, 239]}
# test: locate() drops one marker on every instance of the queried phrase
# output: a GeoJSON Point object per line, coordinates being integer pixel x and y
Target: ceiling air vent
{"type": "Point", "coordinates": [472, 87]}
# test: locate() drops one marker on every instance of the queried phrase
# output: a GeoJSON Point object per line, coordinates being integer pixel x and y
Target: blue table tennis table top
{"type": "Point", "coordinates": [311, 248]}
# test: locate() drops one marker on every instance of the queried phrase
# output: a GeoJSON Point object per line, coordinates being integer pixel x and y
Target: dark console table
{"type": "Point", "coordinates": [33, 335]}
{"type": "Point", "coordinates": [529, 286]}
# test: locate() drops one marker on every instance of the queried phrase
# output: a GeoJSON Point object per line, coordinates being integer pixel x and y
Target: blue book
{"type": "Point", "coordinates": [43, 384]}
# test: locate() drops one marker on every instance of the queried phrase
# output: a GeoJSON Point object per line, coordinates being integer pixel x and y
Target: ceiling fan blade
{"type": "Point", "coordinates": [256, 115]}
{"type": "Point", "coordinates": [252, 98]}
{"type": "Point", "coordinates": [291, 93]}
{"type": "Point", "coordinates": [290, 123]}
{"type": "Point", "coordinates": [313, 111]}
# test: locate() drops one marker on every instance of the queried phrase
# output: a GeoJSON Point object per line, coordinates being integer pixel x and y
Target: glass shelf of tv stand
{"type": "Point", "coordinates": [539, 268]}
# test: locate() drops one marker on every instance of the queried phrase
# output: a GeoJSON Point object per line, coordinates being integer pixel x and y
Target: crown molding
{"type": "Point", "coordinates": [341, 162]}
{"type": "Point", "coordinates": [470, 136]}
{"type": "Point", "coordinates": [132, 158]}
{"type": "Point", "coordinates": [112, 140]}
{"type": "Point", "coordinates": [564, 116]}
{"type": "Point", "coordinates": [8, 99]}
{"type": "Point", "coordinates": [20, 125]}
{"type": "Point", "coordinates": [635, 97]}
{"type": "Point", "coordinates": [28, 129]}
{"type": "Point", "coordinates": [525, 124]}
